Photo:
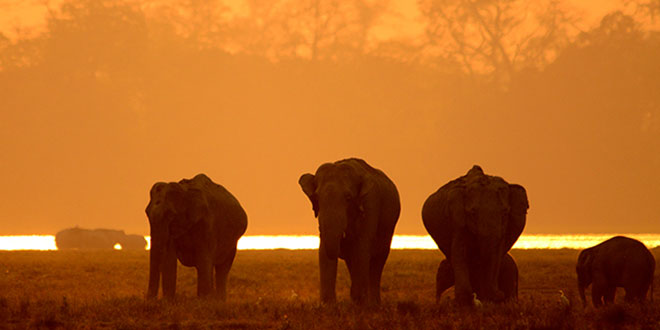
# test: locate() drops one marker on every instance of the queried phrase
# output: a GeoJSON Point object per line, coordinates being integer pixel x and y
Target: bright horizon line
{"type": "Point", "coordinates": [399, 242]}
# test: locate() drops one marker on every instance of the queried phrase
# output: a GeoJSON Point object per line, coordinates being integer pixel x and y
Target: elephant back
{"type": "Point", "coordinates": [222, 202]}
{"type": "Point", "coordinates": [436, 213]}
{"type": "Point", "coordinates": [378, 181]}
{"type": "Point", "coordinates": [361, 166]}
{"type": "Point", "coordinates": [210, 189]}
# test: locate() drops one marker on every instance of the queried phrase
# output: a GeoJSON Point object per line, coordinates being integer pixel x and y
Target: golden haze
{"type": "Point", "coordinates": [99, 100]}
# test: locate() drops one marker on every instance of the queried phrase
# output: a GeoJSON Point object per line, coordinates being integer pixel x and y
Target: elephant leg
{"type": "Point", "coordinates": [597, 293]}
{"type": "Point", "coordinates": [359, 283]}
{"type": "Point", "coordinates": [222, 273]}
{"type": "Point", "coordinates": [599, 288]}
{"type": "Point", "coordinates": [349, 265]}
{"type": "Point", "coordinates": [375, 272]}
{"type": "Point", "coordinates": [596, 297]}
{"type": "Point", "coordinates": [608, 295]}
{"type": "Point", "coordinates": [631, 296]}
{"type": "Point", "coordinates": [205, 276]}
{"type": "Point", "coordinates": [635, 293]}
{"type": "Point", "coordinates": [328, 272]}
{"type": "Point", "coordinates": [444, 279]}
{"type": "Point", "coordinates": [169, 265]}
{"type": "Point", "coordinates": [508, 278]}
{"type": "Point", "coordinates": [489, 269]}
{"type": "Point", "coordinates": [462, 286]}
{"type": "Point", "coordinates": [643, 290]}
{"type": "Point", "coordinates": [360, 273]}
{"type": "Point", "coordinates": [637, 290]}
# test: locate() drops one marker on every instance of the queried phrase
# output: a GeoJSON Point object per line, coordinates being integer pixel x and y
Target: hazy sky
{"type": "Point", "coordinates": [93, 169]}
{"type": "Point", "coordinates": [403, 19]}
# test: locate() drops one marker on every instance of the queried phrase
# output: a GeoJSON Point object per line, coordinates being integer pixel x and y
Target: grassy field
{"type": "Point", "coordinates": [279, 290]}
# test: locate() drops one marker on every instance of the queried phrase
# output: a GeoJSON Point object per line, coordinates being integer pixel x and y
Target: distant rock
{"type": "Point", "coordinates": [105, 239]}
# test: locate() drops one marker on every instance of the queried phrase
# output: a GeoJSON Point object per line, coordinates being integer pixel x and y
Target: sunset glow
{"type": "Point", "coordinates": [577, 241]}
{"type": "Point", "coordinates": [289, 242]}
{"type": "Point", "coordinates": [28, 242]}
{"type": "Point", "coordinates": [310, 242]}
{"type": "Point", "coordinates": [301, 131]}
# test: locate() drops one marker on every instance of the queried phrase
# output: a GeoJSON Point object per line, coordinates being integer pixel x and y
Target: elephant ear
{"type": "Point", "coordinates": [191, 206]}
{"type": "Point", "coordinates": [366, 186]}
{"type": "Point", "coordinates": [199, 206]}
{"type": "Point", "coordinates": [518, 205]}
{"type": "Point", "coordinates": [154, 195]}
{"type": "Point", "coordinates": [585, 260]}
{"type": "Point", "coordinates": [518, 199]}
{"type": "Point", "coordinates": [308, 184]}
{"type": "Point", "coordinates": [455, 208]}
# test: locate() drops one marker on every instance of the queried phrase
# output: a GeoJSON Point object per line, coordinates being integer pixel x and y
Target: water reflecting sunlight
{"type": "Point", "coordinates": [28, 242]}
{"type": "Point", "coordinates": [302, 242]}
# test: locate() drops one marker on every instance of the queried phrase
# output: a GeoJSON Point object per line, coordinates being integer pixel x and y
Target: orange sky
{"type": "Point", "coordinates": [403, 19]}
{"type": "Point", "coordinates": [94, 169]}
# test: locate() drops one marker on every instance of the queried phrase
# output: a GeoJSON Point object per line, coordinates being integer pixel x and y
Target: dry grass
{"type": "Point", "coordinates": [279, 290]}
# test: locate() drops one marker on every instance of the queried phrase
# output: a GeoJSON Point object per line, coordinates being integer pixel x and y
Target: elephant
{"type": "Point", "coordinates": [199, 223]}
{"type": "Point", "coordinates": [357, 207]}
{"type": "Point", "coordinates": [83, 239]}
{"type": "Point", "coordinates": [476, 219]}
{"type": "Point", "coordinates": [617, 262]}
{"type": "Point", "coordinates": [507, 279]}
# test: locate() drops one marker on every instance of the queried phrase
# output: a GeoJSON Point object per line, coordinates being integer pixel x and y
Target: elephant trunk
{"type": "Point", "coordinates": [491, 256]}
{"type": "Point", "coordinates": [155, 265]}
{"type": "Point", "coordinates": [583, 278]}
{"type": "Point", "coordinates": [583, 282]}
{"type": "Point", "coordinates": [331, 242]}
{"type": "Point", "coordinates": [157, 259]}
{"type": "Point", "coordinates": [331, 232]}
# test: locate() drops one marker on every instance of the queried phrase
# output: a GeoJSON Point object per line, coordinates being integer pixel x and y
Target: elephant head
{"type": "Point", "coordinates": [172, 212]}
{"type": "Point", "coordinates": [492, 215]}
{"type": "Point", "coordinates": [584, 271]}
{"type": "Point", "coordinates": [337, 193]}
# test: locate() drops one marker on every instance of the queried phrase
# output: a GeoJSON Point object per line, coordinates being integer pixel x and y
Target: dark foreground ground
{"type": "Point", "coordinates": [279, 290]}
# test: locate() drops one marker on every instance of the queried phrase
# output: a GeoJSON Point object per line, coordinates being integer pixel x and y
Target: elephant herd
{"type": "Point", "coordinates": [474, 219]}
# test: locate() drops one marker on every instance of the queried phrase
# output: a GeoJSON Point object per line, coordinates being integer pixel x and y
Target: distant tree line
{"type": "Point", "coordinates": [491, 41]}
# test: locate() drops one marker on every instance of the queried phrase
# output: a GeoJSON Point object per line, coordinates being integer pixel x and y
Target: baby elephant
{"type": "Point", "coordinates": [618, 262]}
{"type": "Point", "coordinates": [507, 279]}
